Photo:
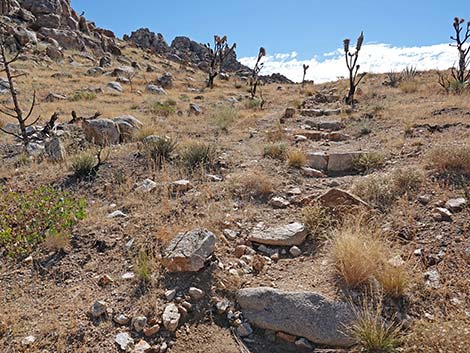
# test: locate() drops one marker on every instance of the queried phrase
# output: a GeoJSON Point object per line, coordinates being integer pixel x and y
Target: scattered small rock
{"type": "Point", "coordinates": [124, 341]}
{"type": "Point", "coordinates": [196, 293]}
{"type": "Point", "coordinates": [99, 308]}
{"type": "Point", "coordinates": [295, 251]}
{"type": "Point", "coordinates": [139, 322]}
{"type": "Point", "coordinates": [171, 317]}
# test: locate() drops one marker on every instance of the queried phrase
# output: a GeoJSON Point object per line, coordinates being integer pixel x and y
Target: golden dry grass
{"type": "Point", "coordinates": [296, 158]}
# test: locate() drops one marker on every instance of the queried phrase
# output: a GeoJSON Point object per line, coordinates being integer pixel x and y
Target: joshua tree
{"type": "Point", "coordinates": [16, 112]}
{"type": "Point", "coordinates": [305, 74]}
{"type": "Point", "coordinates": [353, 67]}
{"type": "Point", "coordinates": [255, 74]}
{"type": "Point", "coordinates": [461, 74]}
{"type": "Point", "coordinates": [217, 56]}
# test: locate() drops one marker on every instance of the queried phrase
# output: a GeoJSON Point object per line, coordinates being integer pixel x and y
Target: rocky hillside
{"type": "Point", "coordinates": [149, 213]}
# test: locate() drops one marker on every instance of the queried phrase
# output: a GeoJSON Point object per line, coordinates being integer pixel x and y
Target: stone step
{"type": "Point", "coordinates": [339, 162]}
{"type": "Point", "coordinates": [319, 112]}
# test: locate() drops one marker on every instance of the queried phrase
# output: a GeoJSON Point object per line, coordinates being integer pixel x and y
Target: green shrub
{"type": "Point", "coordinates": [27, 219]}
{"type": "Point", "coordinates": [275, 150]}
{"type": "Point", "coordinates": [83, 96]}
{"type": "Point", "coordinates": [252, 104]}
{"type": "Point", "coordinates": [83, 165]}
{"type": "Point", "coordinates": [198, 155]}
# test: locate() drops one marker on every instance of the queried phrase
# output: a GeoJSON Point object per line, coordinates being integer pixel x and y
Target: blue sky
{"type": "Point", "coordinates": [310, 28]}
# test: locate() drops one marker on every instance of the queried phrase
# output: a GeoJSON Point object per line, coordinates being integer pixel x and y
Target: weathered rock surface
{"type": "Point", "coordinates": [287, 235]}
{"type": "Point", "coordinates": [171, 317]}
{"type": "Point", "coordinates": [188, 252]}
{"type": "Point", "coordinates": [336, 198]}
{"type": "Point", "coordinates": [302, 314]}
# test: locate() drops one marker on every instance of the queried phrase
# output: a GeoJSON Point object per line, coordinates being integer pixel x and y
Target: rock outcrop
{"type": "Point", "coordinates": [54, 22]}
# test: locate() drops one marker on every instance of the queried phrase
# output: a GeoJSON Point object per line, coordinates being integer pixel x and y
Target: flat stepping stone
{"type": "Point", "coordinates": [287, 235]}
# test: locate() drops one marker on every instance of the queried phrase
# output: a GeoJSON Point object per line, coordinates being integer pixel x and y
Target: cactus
{"type": "Point", "coordinates": [254, 81]}
{"type": "Point", "coordinates": [461, 74]}
{"type": "Point", "coordinates": [353, 67]}
{"type": "Point", "coordinates": [217, 56]}
{"type": "Point", "coordinates": [306, 67]}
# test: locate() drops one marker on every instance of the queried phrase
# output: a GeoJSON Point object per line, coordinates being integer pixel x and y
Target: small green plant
{"type": "Point", "coordinates": [224, 116]}
{"type": "Point", "coordinates": [373, 334]}
{"type": "Point", "coordinates": [27, 219]}
{"type": "Point", "coordinates": [83, 96]}
{"type": "Point", "coordinates": [276, 150]}
{"type": "Point", "coordinates": [369, 161]}
{"type": "Point", "coordinates": [198, 155]}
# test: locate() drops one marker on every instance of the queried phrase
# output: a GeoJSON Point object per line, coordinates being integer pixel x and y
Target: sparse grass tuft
{"type": "Point", "coordinates": [143, 264]}
{"type": "Point", "coordinates": [160, 149]}
{"type": "Point", "coordinates": [373, 334]}
{"type": "Point", "coordinates": [275, 150]}
{"type": "Point", "coordinates": [451, 158]}
{"type": "Point", "coordinates": [296, 158]}
{"type": "Point", "coordinates": [164, 109]}
{"type": "Point", "coordinates": [27, 219]}
{"type": "Point", "coordinates": [198, 155]}
{"type": "Point", "coordinates": [252, 104]}
{"type": "Point", "coordinates": [84, 164]}
{"type": "Point", "coordinates": [382, 190]}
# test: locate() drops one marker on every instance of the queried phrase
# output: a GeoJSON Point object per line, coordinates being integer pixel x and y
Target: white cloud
{"type": "Point", "coordinates": [376, 58]}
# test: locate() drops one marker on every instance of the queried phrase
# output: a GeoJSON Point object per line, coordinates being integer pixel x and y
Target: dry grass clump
{"type": "Point", "coordinates": [369, 161]}
{"type": "Point", "coordinates": [160, 149]}
{"type": "Point", "coordinates": [195, 154]}
{"type": "Point", "coordinates": [409, 86]}
{"type": "Point", "coordinates": [254, 184]}
{"type": "Point", "coordinates": [382, 190]}
{"type": "Point", "coordinates": [276, 150]}
{"type": "Point", "coordinates": [296, 158]}
{"type": "Point", "coordinates": [451, 158]}
{"type": "Point", "coordinates": [444, 336]}
{"type": "Point", "coordinates": [358, 250]}
{"type": "Point", "coordinates": [360, 253]}
{"type": "Point", "coordinates": [373, 334]}
{"type": "Point", "coordinates": [317, 219]}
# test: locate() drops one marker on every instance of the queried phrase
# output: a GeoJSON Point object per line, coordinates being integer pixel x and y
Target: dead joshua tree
{"type": "Point", "coordinates": [306, 67]}
{"type": "Point", "coordinates": [16, 112]}
{"type": "Point", "coordinates": [217, 56]}
{"type": "Point", "coordinates": [462, 75]}
{"type": "Point", "coordinates": [353, 67]}
{"type": "Point", "coordinates": [255, 74]}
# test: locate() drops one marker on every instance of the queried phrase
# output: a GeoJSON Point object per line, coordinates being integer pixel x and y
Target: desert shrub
{"type": "Point", "coordinates": [254, 185]}
{"type": "Point", "coordinates": [451, 158]}
{"type": "Point", "coordinates": [382, 190]}
{"type": "Point", "coordinates": [409, 73]}
{"type": "Point", "coordinates": [369, 161]}
{"type": "Point", "coordinates": [83, 96]}
{"type": "Point", "coordinates": [357, 250]}
{"type": "Point", "coordinates": [163, 108]}
{"type": "Point", "coordinates": [198, 155]}
{"type": "Point", "coordinates": [83, 165]}
{"type": "Point", "coordinates": [296, 158]}
{"type": "Point", "coordinates": [160, 149]}
{"type": "Point", "coordinates": [224, 116]}
{"type": "Point", "coordinates": [373, 334]}
{"type": "Point", "coordinates": [27, 219]}
{"type": "Point", "coordinates": [317, 219]}
{"type": "Point", "coordinates": [275, 150]}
